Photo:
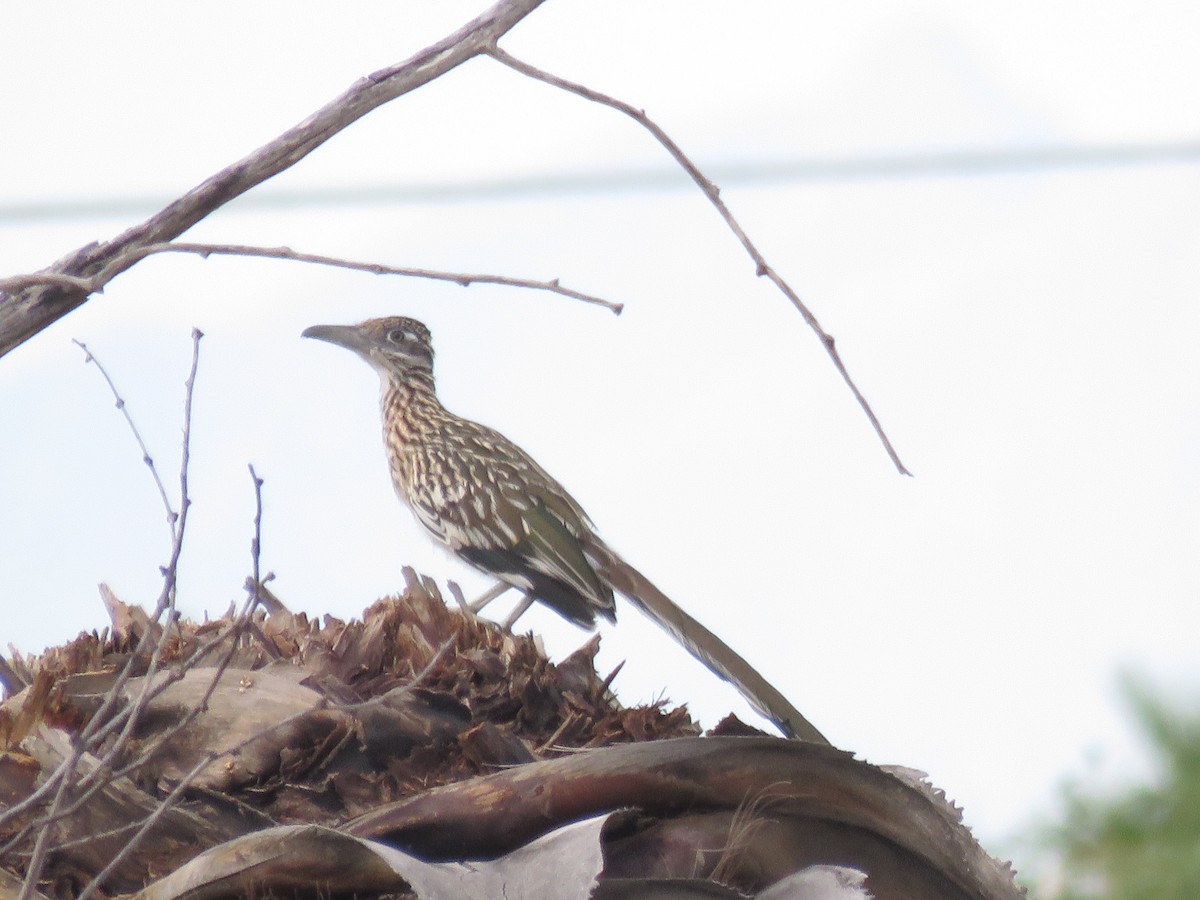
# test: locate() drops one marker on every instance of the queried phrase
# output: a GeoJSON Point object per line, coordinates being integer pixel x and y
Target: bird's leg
{"type": "Point", "coordinates": [495, 591]}
{"type": "Point", "coordinates": [518, 611]}
{"type": "Point", "coordinates": [488, 596]}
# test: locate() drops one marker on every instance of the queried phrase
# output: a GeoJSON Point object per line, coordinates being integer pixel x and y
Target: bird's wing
{"type": "Point", "coordinates": [558, 553]}
{"type": "Point", "coordinates": [505, 514]}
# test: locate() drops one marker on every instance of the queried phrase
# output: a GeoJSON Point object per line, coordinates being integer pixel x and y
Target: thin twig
{"type": "Point", "coordinates": [461, 278]}
{"type": "Point", "coordinates": [402, 689]}
{"type": "Point", "coordinates": [256, 541]}
{"type": "Point", "coordinates": [161, 809]}
{"type": "Point", "coordinates": [45, 834]}
{"type": "Point", "coordinates": [256, 544]}
{"type": "Point", "coordinates": [548, 744]}
{"type": "Point", "coordinates": [713, 193]}
{"type": "Point", "coordinates": [90, 357]}
{"type": "Point", "coordinates": [186, 453]}
{"type": "Point", "coordinates": [238, 627]}
{"type": "Point", "coordinates": [166, 597]}
{"type": "Point", "coordinates": [97, 836]}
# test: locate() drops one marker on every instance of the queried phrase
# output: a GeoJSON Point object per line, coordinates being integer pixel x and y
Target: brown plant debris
{"type": "Point", "coordinates": [279, 756]}
{"type": "Point", "coordinates": [304, 722]}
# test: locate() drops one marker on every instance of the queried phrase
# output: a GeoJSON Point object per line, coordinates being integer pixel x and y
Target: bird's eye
{"type": "Point", "coordinates": [398, 336]}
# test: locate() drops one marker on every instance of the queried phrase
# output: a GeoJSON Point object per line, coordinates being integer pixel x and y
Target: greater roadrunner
{"type": "Point", "coordinates": [487, 500]}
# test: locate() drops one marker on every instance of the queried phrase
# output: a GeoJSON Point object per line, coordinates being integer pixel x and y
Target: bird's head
{"type": "Point", "coordinates": [393, 345]}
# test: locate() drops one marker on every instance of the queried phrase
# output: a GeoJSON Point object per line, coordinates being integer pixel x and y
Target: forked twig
{"type": "Point", "coordinates": [166, 597]}
{"type": "Point", "coordinates": [713, 193]}
{"type": "Point", "coordinates": [172, 516]}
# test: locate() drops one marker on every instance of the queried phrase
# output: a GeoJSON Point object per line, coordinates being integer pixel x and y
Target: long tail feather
{"type": "Point", "coordinates": [719, 657]}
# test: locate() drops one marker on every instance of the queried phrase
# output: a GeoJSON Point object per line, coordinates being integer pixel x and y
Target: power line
{"type": "Point", "coordinates": [959, 163]}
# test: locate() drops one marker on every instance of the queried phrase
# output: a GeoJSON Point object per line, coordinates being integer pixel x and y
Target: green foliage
{"type": "Point", "coordinates": [1144, 843]}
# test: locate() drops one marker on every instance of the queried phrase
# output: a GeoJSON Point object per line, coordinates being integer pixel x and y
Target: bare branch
{"type": "Point", "coordinates": [90, 357]}
{"type": "Point", "coordinates": [185, 455]}
{"type": "Point", "coordinates": [713, 193]}
{"type": "Point", "coordinates": [166, 597]}
{"type": "Point", "coordinates": [27, 310]}
{"type": "Point", "coordinates": [255, 580]}
{"type": "Point", "coordinates": [461, 278]}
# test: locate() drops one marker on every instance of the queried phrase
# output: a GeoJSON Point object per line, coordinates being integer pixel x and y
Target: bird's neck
{"type": "Point", "coordinates": [410, 404]}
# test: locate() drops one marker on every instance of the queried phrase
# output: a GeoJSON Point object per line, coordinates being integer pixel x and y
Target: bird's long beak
{"type": "Point", "coordinates": [348, 336]}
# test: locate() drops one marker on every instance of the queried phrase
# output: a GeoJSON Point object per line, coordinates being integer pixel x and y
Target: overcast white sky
{"type": "Point", "coordinates": [1027, 338]}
